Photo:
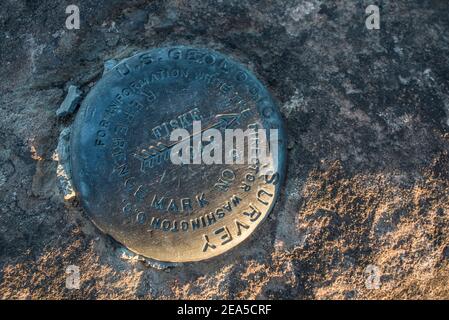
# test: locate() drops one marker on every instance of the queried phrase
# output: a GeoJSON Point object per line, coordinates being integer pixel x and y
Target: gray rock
{"type": "Point", "coordinates": [63, 171]}
{"type": "Point", "coordinates": [71, 101]}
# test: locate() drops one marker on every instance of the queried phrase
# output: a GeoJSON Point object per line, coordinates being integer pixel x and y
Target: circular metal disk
{"type": "Point", "coordinates": [122, 171]}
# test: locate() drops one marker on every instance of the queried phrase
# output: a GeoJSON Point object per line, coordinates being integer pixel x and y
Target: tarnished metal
{"type": "Point", "coordinates": [121, 167]}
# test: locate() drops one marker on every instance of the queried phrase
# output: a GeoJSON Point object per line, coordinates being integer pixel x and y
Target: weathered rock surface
{"type": "Point", "coordinates": [367, 113]}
